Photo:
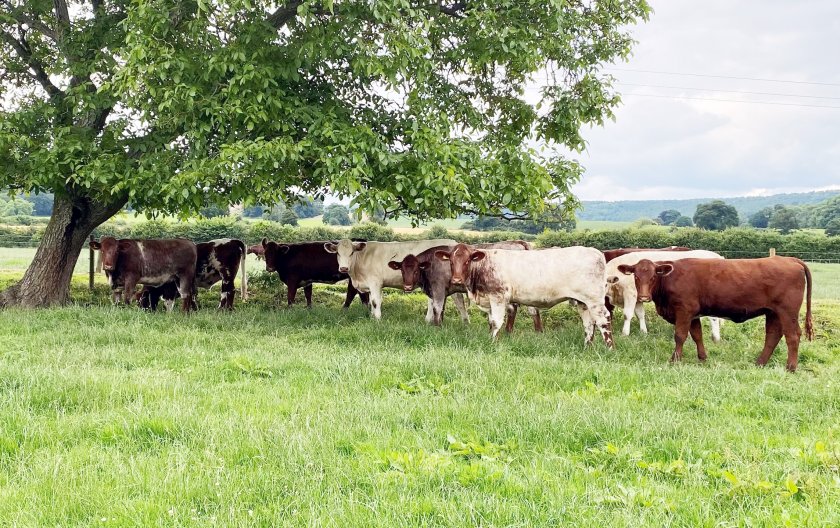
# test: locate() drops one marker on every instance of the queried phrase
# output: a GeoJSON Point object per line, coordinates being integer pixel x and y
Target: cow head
{"type": "Point", "coordinates": [273, 254]}
{"type": "Point", "coordinates": [410, 268]}
{"type": "Point", "coordinates": [107, 247]}
{"type": "Point", "coordinates": [646, 273]}
{"type": "Point", "coordinates": [460, 259]}
{"type": "Point", "coordinates": [257, 249]}
{"type": "Point", "coordinates": [344, 249]}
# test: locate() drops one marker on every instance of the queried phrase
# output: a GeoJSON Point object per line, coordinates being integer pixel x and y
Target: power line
{"type": "Point", "coordinates": [723, 76]}
{"type": "Point", "coordinates": [678, 98]}
{"type": "Point", "coordinates": [727, 91]}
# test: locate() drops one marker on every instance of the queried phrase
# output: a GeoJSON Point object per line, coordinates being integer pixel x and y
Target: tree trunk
{"type": "Point", "coordinates": [47, 280]}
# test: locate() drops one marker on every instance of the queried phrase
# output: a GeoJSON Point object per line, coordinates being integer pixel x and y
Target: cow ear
{"type": "Point", "coordinates": [331, 247]}
{"type": "Point", "coordinates": [612, 279]}
{"type": "Point", "coordinates": [625, 269]}
{"type": "Point", "coordinates": [394, 265]}
{"type": "Point", "coordinates": [478, 255]}
{"type": "Point", "coordinates": [283, 248]}
{"type": "Point", "coordinates": [95, 245]}
{"type": "Point", "coordinates": [359, 246]}
{"type": "Point", "coordinates": [264, 242]}
{"type": "Point", "coordinates": [423, 265]}
{"type": "Point", "coordinates": [442, 255]}
{"type": "Point", "coordinates": [664, 269]}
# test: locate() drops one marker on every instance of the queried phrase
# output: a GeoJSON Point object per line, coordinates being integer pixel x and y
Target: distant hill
{"type": "Point", "coordinates": [629, 210]}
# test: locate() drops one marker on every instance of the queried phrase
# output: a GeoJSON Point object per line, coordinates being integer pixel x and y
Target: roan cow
{"type": "Point", "coordinates": [495, 278]}
{"type": "Point", "coordinates": [217, 260]}
{"type": "Point", "coordinates": [621, 289]}
{"type": "Point", "coordinates": [738, 289]}
{"type": "Point", "coordinates": [305, 263]}
{"type": "Point", "coordinates": [128, 262]}
{"type": "Point", "coordinates": [367, 264]}
{"type": "Point", "coordinates": [434, 277]}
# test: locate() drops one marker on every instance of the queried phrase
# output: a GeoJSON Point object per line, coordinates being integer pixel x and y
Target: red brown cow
{"type": "Point", "coordinates": [434, 277]}
{"type": "Point", "coordinates": [302, 264]}
{"type": "Point", "coordinates": [217, 260]}
{"type": "Point", "coordinates": [130, 262]}
{"type": "Point", "coordinates": [258, 250]}
{"type": "Point", "coordinates": [741, 289]}
{"type": "Point", "coordinates": [610, 254]}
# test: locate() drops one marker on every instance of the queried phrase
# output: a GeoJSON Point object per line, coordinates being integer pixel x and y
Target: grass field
{"type": "Point", "coordinates": [288, 417]}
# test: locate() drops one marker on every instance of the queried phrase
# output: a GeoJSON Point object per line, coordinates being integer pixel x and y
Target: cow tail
{"type": "Point", "coordinates": [809, 322]}
{"type": "Point", "coordinates": [244, 272]}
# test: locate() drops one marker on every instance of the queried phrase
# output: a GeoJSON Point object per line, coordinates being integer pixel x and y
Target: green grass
{"type": "Point", "coordinates": [288, 417]}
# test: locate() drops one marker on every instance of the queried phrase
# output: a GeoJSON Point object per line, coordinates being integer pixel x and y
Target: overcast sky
{"type": "Point", "coordinates": [673, 147]}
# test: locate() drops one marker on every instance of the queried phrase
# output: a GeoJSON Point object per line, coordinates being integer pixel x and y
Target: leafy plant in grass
{"type": "Point", "coordinates": [421, 384]}
{"type": "Point", "coordinates": [244, 365]}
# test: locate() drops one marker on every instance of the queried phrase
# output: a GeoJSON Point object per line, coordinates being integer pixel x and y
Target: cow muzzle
{"type": "Point", "coordinates": [108, 267]}
{"type": "Point", "coordinates": [407, 288]}
{"type": "Point", "coordinates": [457, 280]}
{"type": "Point", "coordinates": [644, 298]}
{"type": "Point", "coordinates": [343, 269]}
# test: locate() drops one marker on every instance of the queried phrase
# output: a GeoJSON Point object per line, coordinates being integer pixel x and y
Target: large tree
{"type": "Point", "coordinates": [415, 106]}
{"type": "Point", "coordinates": [716, 215]}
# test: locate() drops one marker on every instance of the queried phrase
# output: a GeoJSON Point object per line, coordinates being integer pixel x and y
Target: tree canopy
{"type": "Point", "coordinates": [416, 107]}
{"type": "Point", "coordinates": [716, 215]}
{"type": "Point", "coordinates": [669, 216]}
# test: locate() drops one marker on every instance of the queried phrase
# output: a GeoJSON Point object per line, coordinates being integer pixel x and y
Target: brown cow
{"type": "Point", "coordinates": [434, 277]}
{"type": "Point", "coordinates": [130, 262]}
{"type": "Point", "coordinates": [301, 265]}
{"type": "Point", "coordinates": [217, 260]}
{"type": "Point", "coordinates": [741, 289]}
{"type": "Point", "coordinates": [258, 250]}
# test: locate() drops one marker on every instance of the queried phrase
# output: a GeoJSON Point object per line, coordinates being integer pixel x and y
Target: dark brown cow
{"type": "Point", "coordinates": [610, 254]}
{"type": "Point", "coordinates": [741, 289]}
{"type": "Point", "coordinates": [130, 262]}
{"type": "Point", "coordinates": [302, 264]}
{"type": "Point", "coordinates": [217, 260]}
{"type": "Point", "coordinates": [434, 277]}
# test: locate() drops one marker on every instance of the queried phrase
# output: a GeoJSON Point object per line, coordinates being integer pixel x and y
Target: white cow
{"type": "Point", "coordinates": [621, 288]}
{"type": "Point", "coordinates": [495, 278]}
{"type": "Point", "coordinates": [367, 265]}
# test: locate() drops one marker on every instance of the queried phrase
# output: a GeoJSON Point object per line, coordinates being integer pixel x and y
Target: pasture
{"type": "Point", "coordinates": [287, 417]}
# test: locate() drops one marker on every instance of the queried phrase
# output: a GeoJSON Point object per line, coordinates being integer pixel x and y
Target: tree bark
{"type": "Point", "coordinates": [47, 280]}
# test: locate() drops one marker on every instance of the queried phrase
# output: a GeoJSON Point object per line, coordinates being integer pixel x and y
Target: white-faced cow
{"type": "Point", "coordinates": [621, 289]}
{"type": "Point", "coordinates": [738, 289]}
{"type": "Point", "coordinates": [303, 264]}
{"type": "Point", "coordinates": [495, 278]}
{"type": "Point", "coordinates": [434, 277]}
{"type": "Point", "coordinates": [217, 260]}
{"type": "Point", "coordinates": [367, 264]}
{"type": "Point", "coordinates": [130, 262]}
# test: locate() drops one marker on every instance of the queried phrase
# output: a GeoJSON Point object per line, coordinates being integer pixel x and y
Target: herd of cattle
{"type": "Point", "coordinates": [684, 284]}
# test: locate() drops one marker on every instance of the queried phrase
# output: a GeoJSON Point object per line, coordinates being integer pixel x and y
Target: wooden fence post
{"type": "Point", "coordinates": [91, 262]}
{"type": "Point", "coordinates": [772, 252]}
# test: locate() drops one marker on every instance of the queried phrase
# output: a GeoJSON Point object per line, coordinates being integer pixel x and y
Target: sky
{"type": "Point", "coordinates": [668, 146]}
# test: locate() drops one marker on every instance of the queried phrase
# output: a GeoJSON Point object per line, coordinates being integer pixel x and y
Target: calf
{"type": "Point", "coordinates": [130, 262]}
{"type": "Point", "coordinates": [303, 264]}
{"type": "Point", "coordinates": [738, 290]}
{"type": "Point", "coordinates": [621, 289]}
{"type": "Point", "coordinates": [495, 278]}
{"type": "Point", "coordinates": [434, 278]}
{"type": "Point", "coordinates": [367, 264]}
{"type": "Point", "coordinates": [217, 260]}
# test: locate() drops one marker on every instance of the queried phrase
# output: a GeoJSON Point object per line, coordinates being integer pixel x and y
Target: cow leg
{"type": "Point", "coordinates": [307, 292]}
{"type": "Point", "coordinates": [186, 288]}
{"type": "Point", "coordinates": [681, 329]}
{"type": "Point", "coordinates": [430, 310]}
{"type": "Point", "coordinates": [790, 327]}
{"type": "Point", "coordinates": [128, 290]}
{"type": "Point", "coordinates": [496, 317]}
{"type": "Point", "coordinates": [629, 307]}
{"type": "Point", "coordinates": [376, 302]}
{"type": "Point", "coordinates": [228, 292]}
{"type": "Point", "coordinates": [460, 305]}
{"type": "Point", "coordinates": [772, 336]}
{"type": "Point", "coordinates": [588, 323]}
{"type": "Point", "coordinates": [715, 324]}
{"type": "Point", "coordinates": [696, 330]}
{"type": "Point", "coordinates": [291, 291]}
{"type": "Point", "coordinates": [511, 310]}
{"type": "Point", "coordinates": [351, 293]}
{"type": "Point", "coordinates": [536, 317]}
{"type": "Point", "coordinates": [640, 313]}
{"type": "Point", "coordinates": [600, 317]}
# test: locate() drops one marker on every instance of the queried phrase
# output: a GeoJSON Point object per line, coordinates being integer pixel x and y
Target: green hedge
{"type": "Point", "coordinates": [732, 243]}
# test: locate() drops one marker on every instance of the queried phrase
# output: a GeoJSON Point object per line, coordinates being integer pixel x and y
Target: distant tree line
{"type": "Point", "coordinates": [553, 219]}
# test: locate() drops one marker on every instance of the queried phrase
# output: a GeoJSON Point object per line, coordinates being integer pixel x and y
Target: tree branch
{"type": "Point", "coordinates": [284, 14]}
{"type": "Point", "coordinates": [62, 15]}
{"type": "Point", "coordinates": [455, 10]}
{"type": "Point", "coordinates": [33, 22]}
{"type": "Point", "coordinates": [37, 70]}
